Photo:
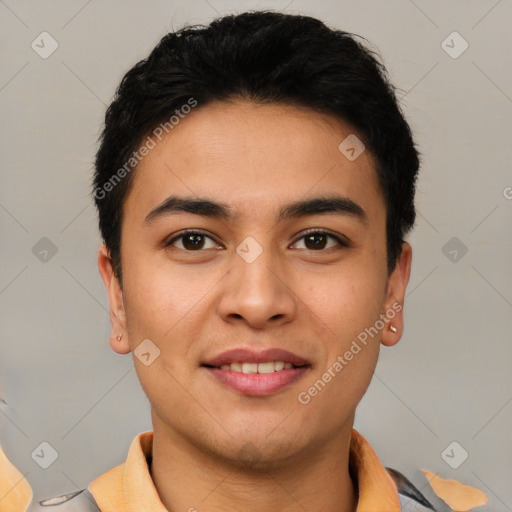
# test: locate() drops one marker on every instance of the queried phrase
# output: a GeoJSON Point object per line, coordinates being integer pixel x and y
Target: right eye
{"type": "Point", "coordinates": [191, 241]}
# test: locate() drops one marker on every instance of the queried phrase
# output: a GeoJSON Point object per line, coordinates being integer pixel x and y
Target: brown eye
{"type": "Point", "coordinates": [192, 241]}
{"type": "Point", "coordinates": [316, 241]}
{"type": "Point", "coordinates": [319, 240]}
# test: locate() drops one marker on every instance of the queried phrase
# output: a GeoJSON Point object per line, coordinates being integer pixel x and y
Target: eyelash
{"type": "Point", "coordinates": [306, 233]}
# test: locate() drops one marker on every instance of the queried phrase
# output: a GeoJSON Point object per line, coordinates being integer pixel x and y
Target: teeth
{"type": "Point", "coordinates": [249, 367]}
{"type": "Point", "coordinates": [267, 367]}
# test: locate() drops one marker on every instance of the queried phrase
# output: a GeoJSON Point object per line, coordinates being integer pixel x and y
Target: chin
{"type": "Point", "coordinates": [259, 450]}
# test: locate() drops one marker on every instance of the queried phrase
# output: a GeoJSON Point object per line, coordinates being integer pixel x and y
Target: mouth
{"type": "Point", "coordinates": [251, 368]}
{"type": "Point", "coordinates": [257, 373]}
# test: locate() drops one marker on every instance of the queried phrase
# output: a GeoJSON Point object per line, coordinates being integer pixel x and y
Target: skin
{"type": "Point", "coordinates": [198, 303]}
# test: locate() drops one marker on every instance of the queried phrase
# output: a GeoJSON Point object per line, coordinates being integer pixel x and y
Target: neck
{"type": "Point", "coordinates": [189, 478]}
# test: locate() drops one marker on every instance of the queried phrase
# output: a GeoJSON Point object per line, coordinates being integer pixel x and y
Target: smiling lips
{"type": "Point", "coordinates": [257, 373]}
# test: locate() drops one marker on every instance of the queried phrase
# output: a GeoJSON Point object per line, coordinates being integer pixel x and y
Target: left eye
{"type": "Point", "coordinates": [318, 240]}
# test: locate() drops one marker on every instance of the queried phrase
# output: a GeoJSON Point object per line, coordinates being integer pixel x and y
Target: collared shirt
{"type": "Point", "coordinates": [129, 486]}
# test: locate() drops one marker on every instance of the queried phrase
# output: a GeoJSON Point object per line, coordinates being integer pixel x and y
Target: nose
{"type": "Point", "coordinates": [259, 293]}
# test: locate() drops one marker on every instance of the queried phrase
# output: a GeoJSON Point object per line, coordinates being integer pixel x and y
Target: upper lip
{"type": "Point", "coordinates": [245, 355]}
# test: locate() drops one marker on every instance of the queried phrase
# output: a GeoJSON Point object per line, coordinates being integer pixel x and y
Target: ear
{"type": "Point", "coordinates": [397, 283]}
{"type": "Point", "coordinates": [115, 299]}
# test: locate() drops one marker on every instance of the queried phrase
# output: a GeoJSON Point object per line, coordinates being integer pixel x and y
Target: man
{"type": "Point", "coordinates": [255, 184]}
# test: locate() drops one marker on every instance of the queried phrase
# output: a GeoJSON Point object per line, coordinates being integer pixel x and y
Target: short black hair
{"type": "Point", "coordinates": [267, 57]}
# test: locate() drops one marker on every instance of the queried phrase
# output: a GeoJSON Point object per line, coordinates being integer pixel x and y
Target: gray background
{"type": "Point", "coordinates": [449, 377]}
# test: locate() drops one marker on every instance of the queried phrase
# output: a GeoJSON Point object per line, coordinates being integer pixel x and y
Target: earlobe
{"type": "Point", "coordinates": [392, 331]}
{"type": "Point", "coordinates": [116, 303]}
{"type": "Point", "coordinates": [119, 343]}
{"type": "Point", "coordinates": [397, 284]}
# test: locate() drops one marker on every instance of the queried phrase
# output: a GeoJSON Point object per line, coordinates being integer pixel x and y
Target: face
{"type": "Point", "coordinates": [244, 271]}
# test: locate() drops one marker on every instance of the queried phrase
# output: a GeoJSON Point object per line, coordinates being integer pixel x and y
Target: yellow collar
{"type": "Point", "coordinates": [129, 486]}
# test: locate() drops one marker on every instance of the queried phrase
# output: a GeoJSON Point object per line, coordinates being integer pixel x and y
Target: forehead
{"type": "Point", "coordinates": [252, 156]}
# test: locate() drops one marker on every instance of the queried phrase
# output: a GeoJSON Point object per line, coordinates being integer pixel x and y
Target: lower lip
{"type": "Point", "coordinates": [258, 384]}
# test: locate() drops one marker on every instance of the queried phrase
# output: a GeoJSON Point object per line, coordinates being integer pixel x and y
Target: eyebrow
{"type": "Point", "coordinates": [338, 205]}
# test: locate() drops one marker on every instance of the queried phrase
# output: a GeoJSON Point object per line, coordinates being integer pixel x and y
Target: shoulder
{"type": "Point", "coordinates": [79, 501]}
{"type": "Point", "coordinates": [411, 498]}
{"type": "Point", "coordinates": [436, 494]}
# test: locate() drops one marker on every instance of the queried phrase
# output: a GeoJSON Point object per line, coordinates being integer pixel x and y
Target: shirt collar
{"type": "Point", "coordinates": [377, 490]}
{"type": "Point", "coordinates": [129, 486]}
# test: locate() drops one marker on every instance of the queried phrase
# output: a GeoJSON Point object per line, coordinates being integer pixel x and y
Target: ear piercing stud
{"type": "Point", "coordinates": [393, 328]}
{"type": "Point", "coordinates": [118, 337]}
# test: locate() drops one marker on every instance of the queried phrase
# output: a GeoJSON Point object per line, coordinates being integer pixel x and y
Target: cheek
{"type": "Point", "coordinates": [167, 306]}
{"type": "Point", "coordinates": [158, 296]}
{"type": "Point", "coordinates": [351, 353]}
{"type": "Point", "coordinates": [160, 308]}
{"type": "Point", "coordinates": [347, 301]}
